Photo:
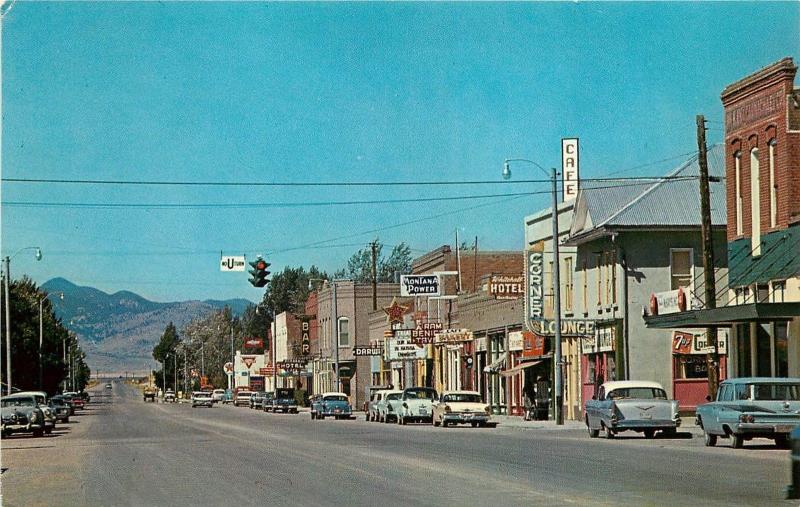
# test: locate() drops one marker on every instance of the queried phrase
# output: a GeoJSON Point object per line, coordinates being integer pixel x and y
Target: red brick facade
{"type": "Point", "coordinates": [473, 266]}
{"type": "Point", "coordinates": [760, 109]}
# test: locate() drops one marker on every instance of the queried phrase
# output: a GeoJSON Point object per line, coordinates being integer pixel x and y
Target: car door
{"type": "Point", "coordinates": [717, 409]}
{"type": "Point", "coordinates": [592, 407]}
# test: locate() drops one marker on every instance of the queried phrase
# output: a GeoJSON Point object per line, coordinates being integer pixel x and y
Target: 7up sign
{"type": "Point", "coordinates": [534, 282]}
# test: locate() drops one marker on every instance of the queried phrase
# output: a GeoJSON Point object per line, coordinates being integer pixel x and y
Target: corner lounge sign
{"type": "Point", "coordinates": [534, 273]}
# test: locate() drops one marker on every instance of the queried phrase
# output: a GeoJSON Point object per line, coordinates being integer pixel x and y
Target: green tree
{"type": "Point", "coordinates": [359, 266]}
{"type": "Point", "coordinates": [164, 353]}
{"type": "Point", "coordinates": [288, 290]}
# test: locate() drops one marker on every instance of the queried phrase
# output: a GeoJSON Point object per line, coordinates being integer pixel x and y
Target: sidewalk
{"type": "Point", "coordinates": [505, 421]}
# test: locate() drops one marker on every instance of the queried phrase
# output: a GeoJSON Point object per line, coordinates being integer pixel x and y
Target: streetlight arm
{"type": "Point", "coordinates": [545, 171]}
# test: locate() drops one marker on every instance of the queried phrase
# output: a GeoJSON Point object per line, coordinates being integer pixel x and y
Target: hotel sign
{"type": "Point", "coordinates": [534, 291]}
{"type": "Point", "coordinates": [506, 287]}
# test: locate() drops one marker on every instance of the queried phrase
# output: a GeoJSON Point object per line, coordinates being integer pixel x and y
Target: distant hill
{"type": "Point", "coordinates": [118, 331]}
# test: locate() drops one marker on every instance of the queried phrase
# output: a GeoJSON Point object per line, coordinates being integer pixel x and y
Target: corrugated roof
{"type": "Point", "coordinates": [664, 203]}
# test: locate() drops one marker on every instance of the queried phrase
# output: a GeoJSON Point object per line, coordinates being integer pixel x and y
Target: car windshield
{"type": "Point", "coordinates": [57, 401]}
{"type": "Point", "coordinates": [335, 397]}
{"type": "Point", "coordinates": [393, 396]}
{"type": "Point", "coordinates": [637, 393]}
{"type": "Point", "coordinates": [285, 393]}
{"type": "Point", "coordinates": [462, 397]}
{"type": "Point", "coordinates": [19, 402]}
{"type": "Point", "coordinates": [420, 394]}
{"type": "Point", "coordinates": [776, 392]}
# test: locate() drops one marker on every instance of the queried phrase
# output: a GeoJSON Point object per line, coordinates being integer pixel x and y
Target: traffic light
{"type": "Point", "coordinates": [259, 272]}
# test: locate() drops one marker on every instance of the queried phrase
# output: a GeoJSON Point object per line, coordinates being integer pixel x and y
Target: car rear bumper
{"type": "Point", "coordinates": [22, 427]}
{"type": "Point", "coordinates": [756, 429]}
{"type": "Point", "coordinates": [640, 424]}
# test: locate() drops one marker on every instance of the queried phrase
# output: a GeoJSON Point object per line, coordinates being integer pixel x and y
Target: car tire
{"type": "Point", "coordinates": [609, 432]}
{"type": "Point", "coordinates": [474, 424]}
{"type": "Point", "coordinates": [38, 433]}
{"type": "Point", "coordinates": [66, 420]}
{"type": "Point", "coordinates": [445, 424]}
{"type": "Point", "coordinates": [782, 441]}
{"type": "Point", "coordinates": [709, 440]}
{"type": "Point", "coordinates": [592, 433]}
{"type": "Point", "coordinates": [737, 442]}
{"type": "Point", "coordinates": [649, 434]}
{"type": "Point", "coordinates": [48, 431]}
{"type": "Point", "coordinates": [436, 423]}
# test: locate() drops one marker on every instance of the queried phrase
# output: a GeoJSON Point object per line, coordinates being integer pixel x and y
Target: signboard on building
{"type": "Point", "coordinates": [305, 336]}
{"type": "Point", "coordinates": [534, 283]}
{"type": "Point", "coordinates": [533, 345]}
{"type": "Point", "coordinates": [228, 368]}
{"type": "Point", "coordinates": [232, 263]}
{"type": "Point", "coordinates": [248, 360]}
{"type": "Point", "coordinates": [515, 341]}
{"type": "Point", "coordinates": [267, 370]}
{"type": "Point", "coordinates": [602, 340]}
{"type": "Point", "coordinates": [691, 343]}
{"type": "Point", "coordinates": [403, 349]}
{"type": "Point", "coordinates": [367, 351]}
{"type": "Point", "coordinates": [453, 336]}
{"type": "Point", "coordinates": [569, 327]}
{"type": "Point", "coordinates": [425, 332]}
{"type": "Point", "coordinates": [292, 366]}
{"type": "Point", "coordinates": [507, 286]}
{"type": "Point", "coordinates": [419, 285]}
{"type": "Point", "coordinates": [570, 168]}
{"type": "Point", "coordinates": [254, 343]}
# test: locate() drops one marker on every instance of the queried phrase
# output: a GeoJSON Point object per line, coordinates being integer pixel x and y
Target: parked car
{"type": "Point", "coordinates": [169, 396]}
{"type": "Point", "coordinates": [84, 396]}
{"type": "Point", "coordinates": [631, 405]}
{"type": "Point", "coordinates": [370, 392]}
{"type": "Point", "coordinates": [372, 404]}
{"type": "Point", "coordinates": [47, 411]}
{"type": "Point", "coordinates": [149, 394]}
{"type": "Point", "coordinates": [284, 401]}
{"type": "Point", "coordinates": [20, 413]}
{"type": "Point", "coordinates": [793, 490]}
{"type": "Point", "coordinates": [389, 406]}
{"type": "Point", "coordinates": [334, 405]}
{"type": "Point", "coordinates": [416, 405]}
{"type": "Point", "coordinates": [68, 401]}
{"type": "Point", "coordinates": [228, 397]}
{"type": "Point", "coordinates": [315, 402]}
{"type": "Point", "coordinates": [257, 400]}
{"type": "Point", "coordinates": [460, 407]}
{"type": "Point", "coordinates": [242, 398]}
{"type": "Point", "coordinates": [108, 386]}
{"type": "Point", "coordinates": [752, 407]}
{"type": "Point", "coordinates": [218, 395]}
{"type": "Point", "coordinates": [61, 408]}
{"type": "Point", "coordinates": [77, 401]}
{"type": "Point", "coordinates": [267, 404]}
{"type": "Point", "coordinates": [201, 399]}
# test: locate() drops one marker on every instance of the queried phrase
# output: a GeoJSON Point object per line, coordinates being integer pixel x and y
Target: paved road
{"type": "Point", "coordinates": [126, 452]}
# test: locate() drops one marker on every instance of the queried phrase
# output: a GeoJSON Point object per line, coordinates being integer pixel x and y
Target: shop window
{"type": "Point", "coordinates": [599, 279]}
{"type": "Point", "coordinates": [612, 256]}
{"type": "Point", "coordinates": [585, 287]}
{"type": "Point", "coordinates": [764, 352]}
{"type": "Point", "coordinates": [568, 286]}
{"type": "Point", "coordinates": [755, 203]}
{"type": "Point", "coordinates": [778, 291]}
{"type": "Point", "coordinates": [762, 293]}
{"type": "Point", "coordinates": [344, 332]}
{"type": "Point", "coordinates": [781, 349]}
{"type": "Point", "coordinates": [690, 366]}
{"type": "Point", "coordinates": [681, 267]}
{"type": "Point", "coordinates": [737, 157]}
{"type": "Point", "coordinates": [773, 186]}
{"type": "Point", "coordinates": [743, 352]}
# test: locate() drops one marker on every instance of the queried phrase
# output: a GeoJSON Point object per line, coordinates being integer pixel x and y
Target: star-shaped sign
{"type": "Point", "coordinates": [395, 312]}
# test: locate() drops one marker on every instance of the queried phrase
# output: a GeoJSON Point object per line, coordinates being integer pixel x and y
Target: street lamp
{"type": "Point", "coordinates": [38, 256]}
{"type": "Point", "coordinates": [559, 390]}
{"type": "Point", "coordinates": [41, 334]}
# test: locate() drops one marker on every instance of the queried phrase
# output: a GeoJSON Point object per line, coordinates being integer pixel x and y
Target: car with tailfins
{"type": "Point", "coordinates": [389, 406]}
{"type": "Point", "coordinates": [332, 404]}
{"type": "Point", "coordinates": [631, 405]}
{"type": "Point", "coordinates": [416, 405]}
{"type": "Point", "coordinates": [752, 407]}
{"type": "Point", "coordinates": [460, 407]}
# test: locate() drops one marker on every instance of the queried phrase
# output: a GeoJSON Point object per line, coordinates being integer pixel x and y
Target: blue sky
{"type": "Point", "coordinates": [296, 92]}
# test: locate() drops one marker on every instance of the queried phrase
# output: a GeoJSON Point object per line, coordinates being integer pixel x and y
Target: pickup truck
{"type": "Point", "coordinates": [284, 401]}
{"type": "Point", "coordinates": [150, 394]}
{"type": "Point", "coordinates": [631, 405]}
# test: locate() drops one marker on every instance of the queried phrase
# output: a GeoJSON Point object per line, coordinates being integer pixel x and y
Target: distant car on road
{"type": "Point", "coordinates": [169, 396]}
{"type": "Point", "coordinates": [257, 400]}
{"type": "Point", "coordinates": [266, 404]}
{"type": "Point", "coordinates": [201, 399]}
{"type": "Point", "coordinates": [752, 407]}
{"type": "Point", "coordinates": [20, 413]}
{"type": "Point", "coordinates": [61, 408]}
{"type": "Point", "coordinates": [333, 405]}
{"type": "Point", "coordinates": [149, 394]}
{"type": "Point", "coordinates": [218, 395]}
{"type": "Point", "coordinates": [416, 405]}
{"type": "Point", "coordinates": [284, 401]}
{"type": "Point", "coordinates": [77, 401]}
{"type": "Point", "coordinates": [389, 406]}
{"type": "Point", "coordinates": [631, 405]}
{"type": "Point", "coordinates": [460, 407]}
{"type": "Point", "coordinates": [242, 398]}
{"type": "Point", "coordinates": [108, 386]}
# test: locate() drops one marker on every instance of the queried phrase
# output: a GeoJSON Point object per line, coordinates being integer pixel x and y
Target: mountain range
{"type": "Point", "coordinates": [118, 331]}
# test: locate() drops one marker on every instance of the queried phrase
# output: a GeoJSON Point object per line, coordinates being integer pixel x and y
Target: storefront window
{"type": "Point", "coordinates": [743, 350]}
{"type": "Point", "coordinates": [764, 354]}
{"type": "Point", "coordinates": [691, 366]}
{"type": "Point", "coordinates": [781, 349]}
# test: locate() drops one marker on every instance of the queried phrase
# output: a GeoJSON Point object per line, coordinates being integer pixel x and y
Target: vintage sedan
{"type": "Point", "coordinates": [257, 400]}
{"type": "Point", "coordinates": [374, 401]}
{"type": "Point", "coordinates": [334, 405]}
{"type": "Point", "coordinates": [752, 407]}
{"type": "Point", "coordinates": [201, 399]}
{"type": "Point", "coordinates": [48, 412]}
{"type": "Point", "coordinates": [218, 396]}
{"type": "Point", "coordinates": [631, 405]}
{"type": "Point", "coordinates": [61, 408]}
{"type": "Point", "coordinates": [416, 405]}
{"type": "Point", "coordinates": [389, 406]}
{"type": "Point", "coordinates": [242, 398]}
{"type": "Point", "coordinates": [284, 401]}
{"type": "Point", "coordinates": [21, 414]}
{"type": "Point", "coordinates": [169, 396]}
{"type": "Point", "coordinates": [460, 407]}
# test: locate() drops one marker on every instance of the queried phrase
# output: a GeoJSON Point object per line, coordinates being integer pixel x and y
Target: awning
{"type": "Point", "coordinates": [495, 366]}
{"type": "Point", "coordinates": [518, 368]}
{"type": "Point", "coordinates": [726, 316]}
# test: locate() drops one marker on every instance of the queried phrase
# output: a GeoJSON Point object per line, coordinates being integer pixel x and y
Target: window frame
{"type": "Point", "coordinates": [672, 275]}
{"type": "Point", "coordinates": [339, 322]}
{"type": "Point", "coordinates": [773, 185]}
{"type": "Point", "coordinates": [755, 202]}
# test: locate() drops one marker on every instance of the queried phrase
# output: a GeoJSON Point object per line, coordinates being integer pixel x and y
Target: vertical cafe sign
{"type": "Point", "coordinates": [570, 173]}
{"type": "Point", "coordinates": [534, 284]}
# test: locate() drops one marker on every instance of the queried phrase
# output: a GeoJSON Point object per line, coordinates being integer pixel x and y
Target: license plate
{"type": "Point", "coordinates": [422, 411]}
{"type": "Point", "coordinates": [338, 411]}
{"type": "Point", "coordinates": [644, 415]}
{"type": "Point", "coordinates": [784, 428]}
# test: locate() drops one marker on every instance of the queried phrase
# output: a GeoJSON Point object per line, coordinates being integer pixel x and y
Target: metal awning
{"type": "Point", "coordinates": [726, 316]}
{"type": "Point", "coordinates": [518, 368]}
{"type": "Point", "coordinates": [495, 366]}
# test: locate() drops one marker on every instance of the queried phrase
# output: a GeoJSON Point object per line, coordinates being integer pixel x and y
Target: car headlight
{"type": "Point", "coordinates": [13, 417]}
{"type": "Point", "coordinates": [746, 418]}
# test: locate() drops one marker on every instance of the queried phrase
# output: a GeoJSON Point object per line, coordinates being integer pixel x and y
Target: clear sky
{"type": "Point", "coordinates": [299, 92]}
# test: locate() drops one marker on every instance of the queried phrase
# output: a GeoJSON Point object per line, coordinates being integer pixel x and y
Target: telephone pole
{"type": "Point", "coordinates": [374, 246]}
{"type": "Point", "coordinates": [712, 359]}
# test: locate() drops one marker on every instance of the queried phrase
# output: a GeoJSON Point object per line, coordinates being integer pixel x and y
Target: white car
{"type": "Point", "coordinates": [460, 407]}
{"type": "Point", "coordinates": [389, 406]}
{"type": "Point", "coordinates": [201, 399]}
{"type": "Point", "coordinates": [416, 405]}
{"type": "Point", "coordinates": [242, 399]}
{"type": "Point", "coordinates": [218, 396]}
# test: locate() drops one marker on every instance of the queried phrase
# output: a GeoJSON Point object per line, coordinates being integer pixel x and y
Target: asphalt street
{"type": "Point", "coordinates": [123, 451]}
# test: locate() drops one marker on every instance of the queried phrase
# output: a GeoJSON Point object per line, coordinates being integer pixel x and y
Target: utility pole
{"type": "Point", "coordinates": [712, 359]}
{"type": "Point", "coordinates": [475, 267]}
{"type": "Point", "coordinates": [185, 372]}
{"type": "Point", "coordinates": [8, 323]}
{"type": "Point", "coordinates": [458, 262]}
{"type": "Point", "coordinates": [557, 360]}
{"type": "Point", "coordinates": [374, 245]}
